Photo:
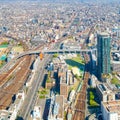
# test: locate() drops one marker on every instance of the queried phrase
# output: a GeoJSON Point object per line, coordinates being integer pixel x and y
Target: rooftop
{"type": "Point", "coordinates": [3, 57]}
{"type": "Point", "coordinates": [60, 101]}
{"type": "Point", "coordinates": [5, 115]}
{"type": "Point", "coordinates": [3, 46]}
{"type": "Point", "coordinates": [112, 106]}
{"type": "Point", "coordinates": [104, 34]}
{"type": "Point", "coordinates": [115, 62]}
{"type": "Point", "coordinates": [102, 87]}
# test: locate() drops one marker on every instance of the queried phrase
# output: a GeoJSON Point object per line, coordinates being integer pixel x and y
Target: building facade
{"type": "Point", "coordinates": [111, 110]}
{"type": "Point", "coordinates": [103, 56]}
{"type": "Point", "coordinates": [116, 66]}
{"type": "Point", "coordinates": [104, 93]}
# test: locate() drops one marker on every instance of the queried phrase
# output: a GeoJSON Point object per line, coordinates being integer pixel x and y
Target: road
{"type": "Point", "coordinates": [11, 63]}
{"type": "Point", "coordinates": [55, 51]}
{"type": "Point", "coordinates": [30, 99]}
{"type": "Point", "coordinates": [31, 95]}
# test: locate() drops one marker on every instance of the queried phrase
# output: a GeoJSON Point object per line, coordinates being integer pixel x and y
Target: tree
{"type": "Point", "coordinates": [55, 55]}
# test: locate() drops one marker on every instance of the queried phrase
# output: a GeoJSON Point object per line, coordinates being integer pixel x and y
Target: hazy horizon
{"type": "Point", "coordinates": [102, 1]}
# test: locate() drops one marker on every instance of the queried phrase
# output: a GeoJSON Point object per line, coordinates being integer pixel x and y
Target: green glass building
{"type": "Point", "coordinates": [103, 54]}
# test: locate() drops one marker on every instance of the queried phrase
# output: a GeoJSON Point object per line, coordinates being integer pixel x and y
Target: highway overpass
{"type": "Point", "coordinates": [60, 51]}
{"type": "Point", "coordinates": [55, 51]}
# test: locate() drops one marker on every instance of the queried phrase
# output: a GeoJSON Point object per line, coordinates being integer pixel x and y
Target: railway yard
{"type": "Point", "coordinates": [59, 59]}
{"type": "Point", "coordinates": [80, 103]}
{"type": "Point", "coordinates": [13, 81]}
{"type": "Point", "coordinates": [13, 75]}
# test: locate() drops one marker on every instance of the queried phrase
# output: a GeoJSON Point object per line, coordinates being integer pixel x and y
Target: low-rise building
{"type": "Point", "coordinates": [69, 77]}
{"type": "Point", "coordinates": [93, 81]}
{"type": "Point", "coordinates": [71, 45]}
{"type": "Point", "coordinates": [111, 110]}
{"type": "Point", "coordinates": [56, 109]}
{"type": "Point", "coordinates": [36, 114]}
{"type": "Point", "coordinates": [11, 113]}
{"type": "Point", "coordinates": [71, 95]}
{"type": "Point", "coordinates": [66, 79]}
{"type": "Point", "coordinates": [116, 66]}
{"type": "Point", "coordinates": [104, 93]}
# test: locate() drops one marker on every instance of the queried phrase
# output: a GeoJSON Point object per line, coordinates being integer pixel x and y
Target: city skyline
{"type": "Point", "coordinates": [59, 59]}
{"type": "Point", "coordinates": [88, 1]}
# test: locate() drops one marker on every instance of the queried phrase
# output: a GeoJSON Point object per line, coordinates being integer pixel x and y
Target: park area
{"type": "Point", "coordinates": [115, 81]}
{"type": "Point", "coordinates": [76, 64]}
{"type": "Point", "coordinates": [93, 102]}
{"type": "Point", "coordinates": [17, 49]}
{"type": "Point", "coordinates": [42, 93]}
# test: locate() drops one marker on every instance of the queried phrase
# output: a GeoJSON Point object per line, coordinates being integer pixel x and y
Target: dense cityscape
{"type": "Point", "coordinates": [59, 60]}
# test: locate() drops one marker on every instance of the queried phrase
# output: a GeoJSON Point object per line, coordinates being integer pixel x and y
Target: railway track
{"type": "Point", "coordinates": [7, 75]}
{"type": "Point", "coordinates": [16, 82]}
{"type": "Point", "coordinates": [80, 103]}
{"type": "Point", "coordinates": [15, 77]}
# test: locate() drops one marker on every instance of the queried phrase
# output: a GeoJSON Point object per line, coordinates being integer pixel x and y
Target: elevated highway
{"type": "Point", "coordinates": [54, 51]}
{"type": "Point", "coordinates": [49, 51]}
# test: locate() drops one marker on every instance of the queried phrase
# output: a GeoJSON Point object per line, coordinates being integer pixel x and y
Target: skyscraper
{"type": "Point", "coordinates": [103, 56]}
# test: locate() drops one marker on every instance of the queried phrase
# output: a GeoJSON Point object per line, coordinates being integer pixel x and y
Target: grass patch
{"type": "Point", "coordinates": [48, 79]}
{"type": "Point", "coordinates": [115, 81]}
{"type": "Point", "coordinates": [2, 64]}
{"type": "Point", "coordinates": [76, 62]}
{"type": "Point", "coordinates": [73, 63]}
{"type": "Point", "coordinates": [70, 67]}
{"type": "Point", "coordinates": [42, 97]}
{"type": "Point", "coordinates": [77, 77]}
{"type": "Point", "coordinates": [79, 60]}
{"type": "Point", "coordinates": [92, 101]}
{"type": "Point", "coordinates": [65, 115]}
{"type": "Point", "coordinates": [75, 86]}
{"type": "Point", "coordinates": [55, 55]}
{"type": "Point", "coordinates": [42, 93]}
{"type": "Point", "coordinates": [5, 43]}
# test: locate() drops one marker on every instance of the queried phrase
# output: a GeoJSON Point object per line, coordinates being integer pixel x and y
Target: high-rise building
{"type": "Point", "coordinates": [103, 50]}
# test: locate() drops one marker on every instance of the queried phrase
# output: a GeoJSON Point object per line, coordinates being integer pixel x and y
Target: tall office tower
{"type": "Point", "coordinates": [103, 54]}
{"type": "Point", "coordinates": [118, 33]}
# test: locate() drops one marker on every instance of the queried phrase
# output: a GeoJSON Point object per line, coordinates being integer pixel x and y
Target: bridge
{"type": "Point", "coordinates": [55, 51]}
{"type": "Point", "coordinates": [61, 51]}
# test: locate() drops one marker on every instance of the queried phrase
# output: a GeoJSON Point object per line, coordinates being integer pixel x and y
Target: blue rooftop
{"type": "Point", "coordinates": [3, 57]}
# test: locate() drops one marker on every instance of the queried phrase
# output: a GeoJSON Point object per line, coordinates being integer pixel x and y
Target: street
{"type": "Point", "coordinates": [30, 99]}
